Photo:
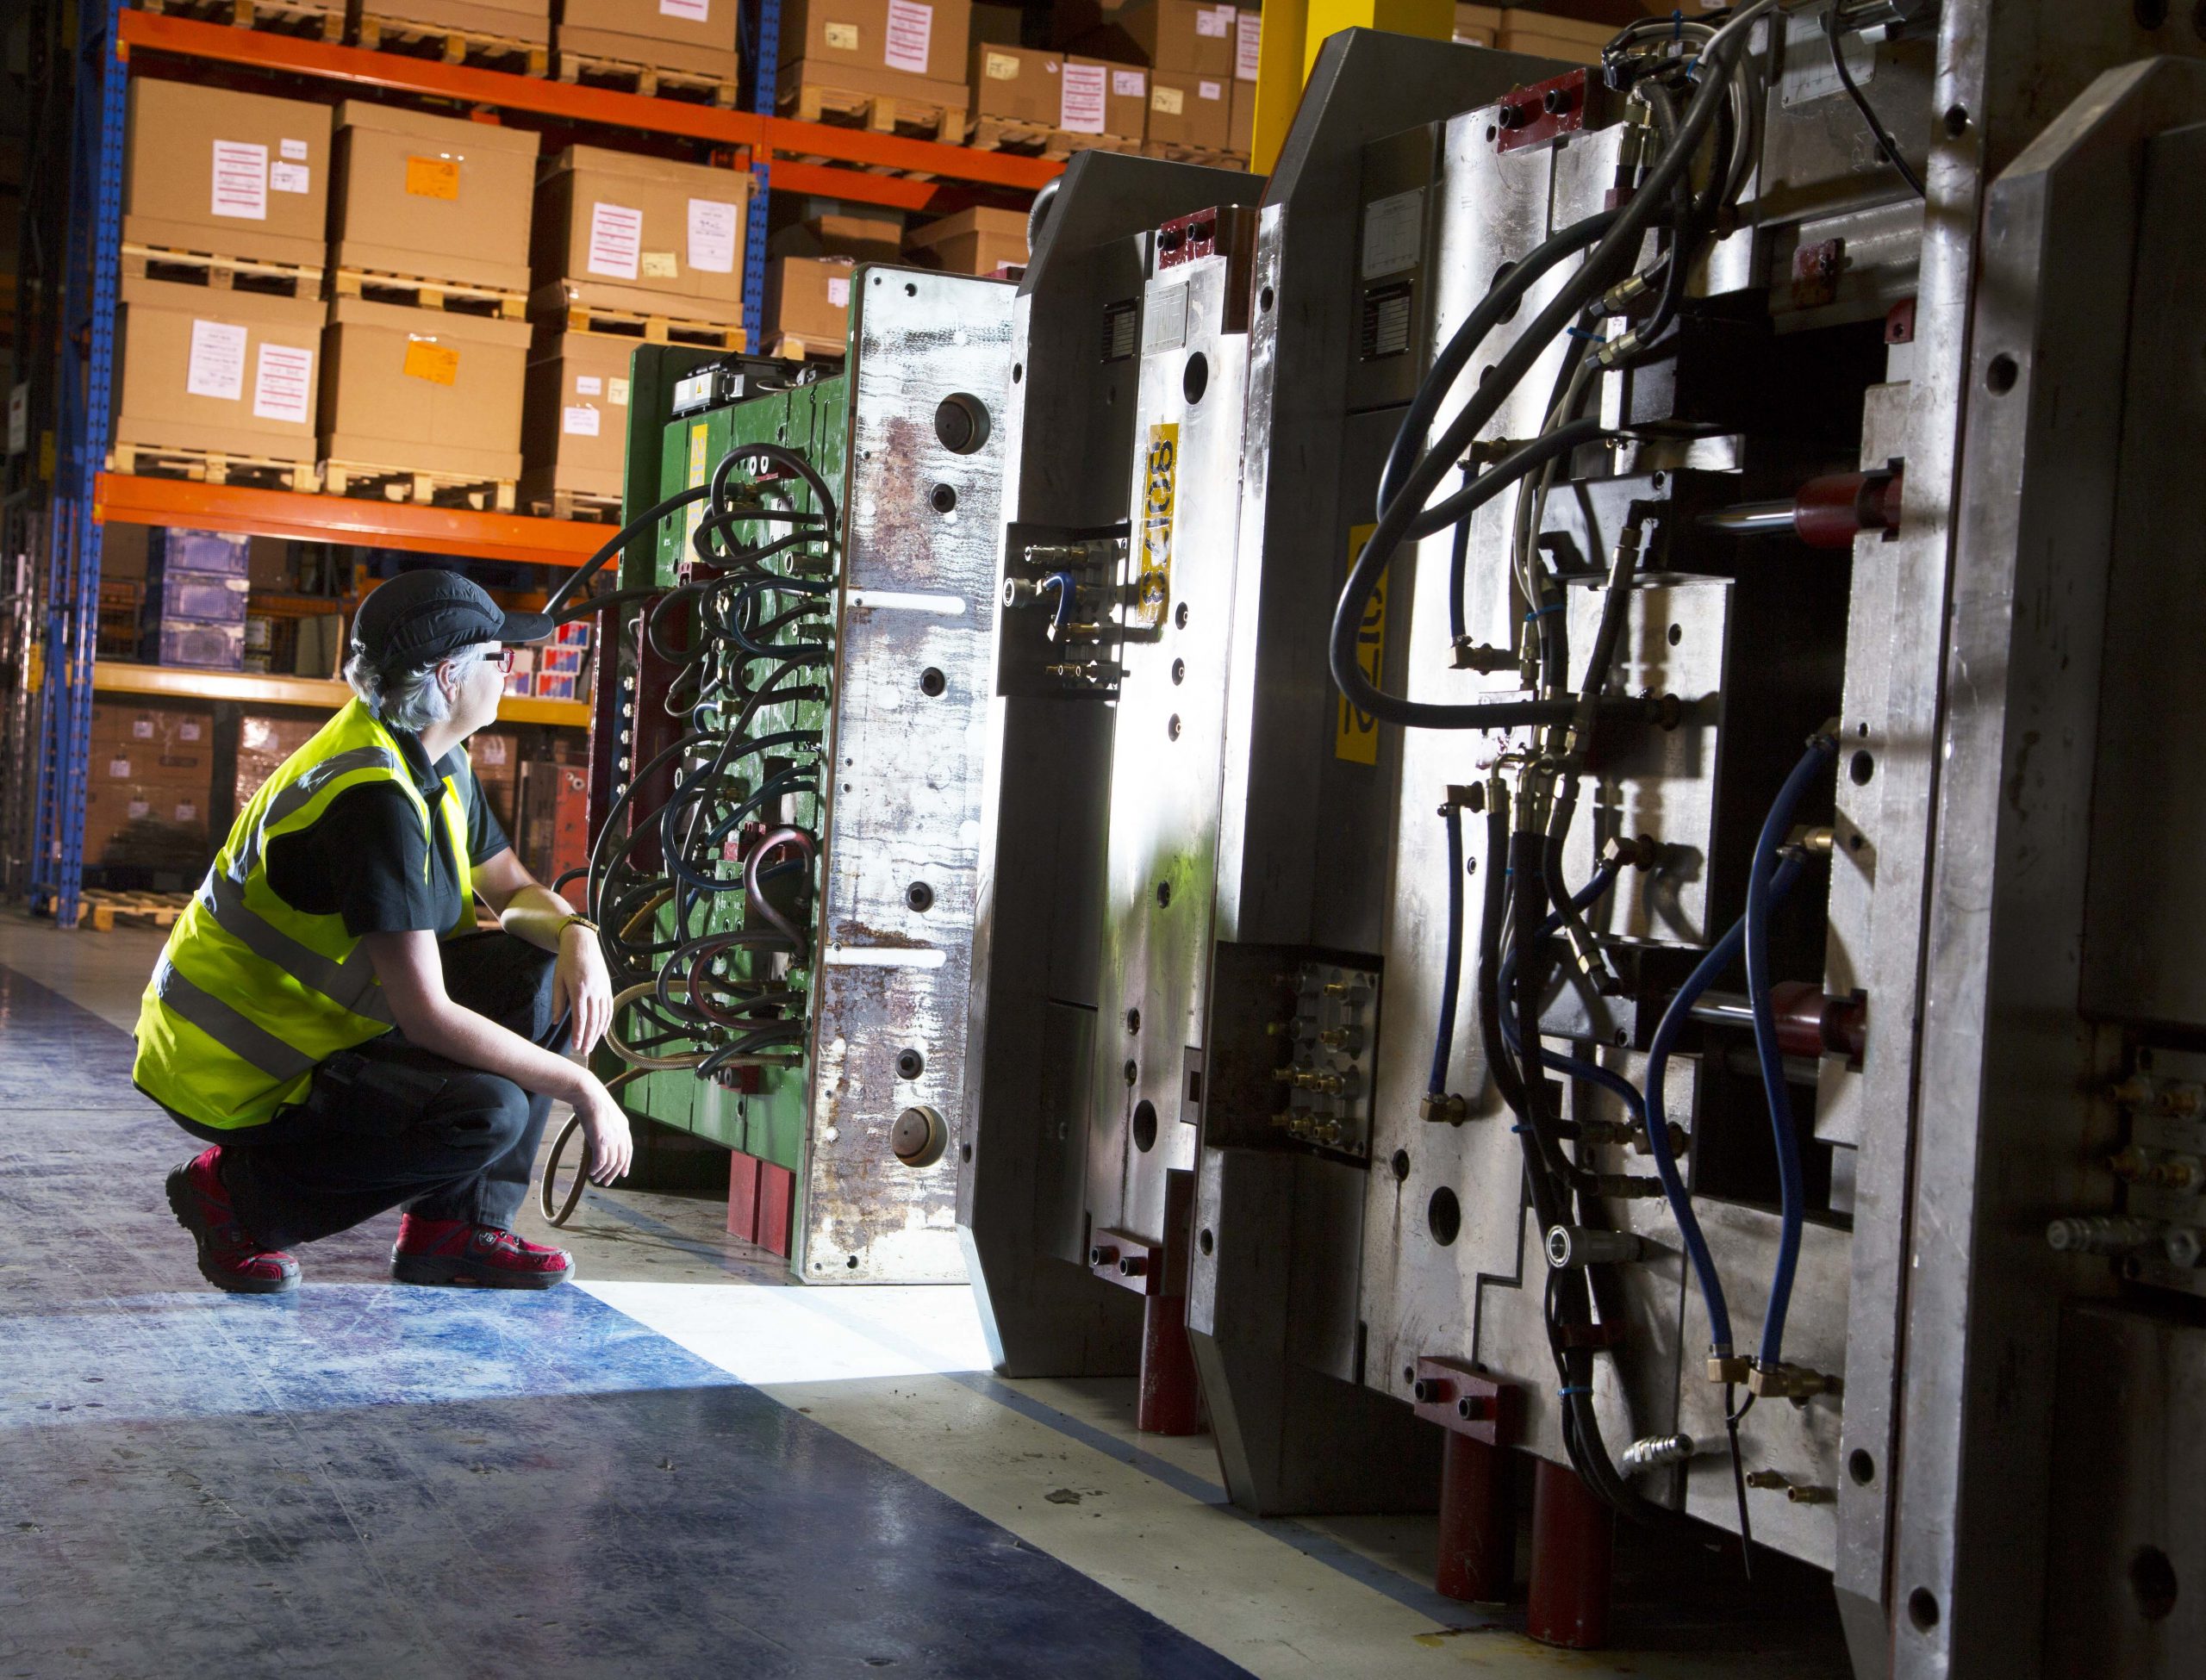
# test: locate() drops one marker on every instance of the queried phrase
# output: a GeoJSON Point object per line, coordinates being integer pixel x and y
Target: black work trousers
{"type": "Point", "coordinates": [389, 1124]}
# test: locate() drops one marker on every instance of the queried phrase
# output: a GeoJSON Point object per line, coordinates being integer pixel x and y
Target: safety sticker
{"type": "Point", "coordinates": [432, 177]}
{"type": "Point", "coordinates": [1356, 735]}
{"type": "Point", "coordinates": [427, 359]}
{"type": "Point", "coordinates": [1160, 485]}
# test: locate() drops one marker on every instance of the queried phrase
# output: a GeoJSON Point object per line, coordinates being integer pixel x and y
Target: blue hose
{"type": "Point", "coordinates": [1451, 980]}
{"type": "Point", "coordinates": [1063, 584]}
{"type": "Point", "coordinates": [1791, 1188]}
{"type": "Point", "coordinates": [1721, 956]}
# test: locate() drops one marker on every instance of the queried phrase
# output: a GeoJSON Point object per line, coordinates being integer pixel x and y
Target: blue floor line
{"type": "Point", "coordinates": [1405, 1589]}
{"type": "Point", "coordinates": [364, 1481]}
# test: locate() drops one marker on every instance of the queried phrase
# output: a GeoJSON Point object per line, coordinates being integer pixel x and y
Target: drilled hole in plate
{"type": "Point", "coordinates": [1444, 1217]}
{"type": "Point", "coordinates": [1144, 1125]}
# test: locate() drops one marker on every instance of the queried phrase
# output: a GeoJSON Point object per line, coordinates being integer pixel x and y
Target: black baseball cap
{"type": "Point", "coordinates": [421, 616]}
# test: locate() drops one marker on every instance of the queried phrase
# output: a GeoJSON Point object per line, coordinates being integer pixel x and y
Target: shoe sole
{"type": "Point", "coordinates": [184, 1202]}
{"type": "Point", "coordinates": [439, 1271]}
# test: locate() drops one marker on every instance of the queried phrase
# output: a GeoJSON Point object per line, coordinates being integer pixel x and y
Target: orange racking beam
{"type": "Point", "coordinates": [767, 135]}
{"type": "Point", "coordinates": [127, 499]}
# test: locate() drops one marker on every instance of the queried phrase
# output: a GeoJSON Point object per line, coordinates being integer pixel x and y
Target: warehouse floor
{"type": "Point", "coordinates": [680, 1466]}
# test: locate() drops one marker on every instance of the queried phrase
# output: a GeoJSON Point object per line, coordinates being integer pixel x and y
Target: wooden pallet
{"type": "Point", "coordinates": [578, 505]}
{"type": "Point", "coordinates": [440, 40]}
{"type": "Point", "coordinates": [450, 295]}
{"type": "Point", "coordinates": [283, 17]}
{"type": "Point", "coordinates": [787, 347]}
{"type": "Point", "coordinates": [1029, 139]}
{"type": "Point", "coordinates": [882, 113]}
{"type": "Point", "coordinates": [425, 488]}
{"type": "Point", "coordinates": [102, 909]}
{"type": "Point", "coordinates": [1193, 154]}
{"type": "Point", "coordinates": [221, 274]}
{"type": "Point", "coordinates": [575, 317]}
{"type": "Point", "coordinates": [651, 81]}
{"type": "Point", "coordinates": [259, 472]}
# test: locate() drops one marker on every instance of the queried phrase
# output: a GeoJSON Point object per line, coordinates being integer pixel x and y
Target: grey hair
{"type": "Point", "coordinates": [409, 700]}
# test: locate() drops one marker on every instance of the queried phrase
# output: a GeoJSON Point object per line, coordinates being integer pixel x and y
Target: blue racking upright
{"type": "Point", "coordinates": [765, 77]}
{"type": "Point", "coordinates": [72, 582]}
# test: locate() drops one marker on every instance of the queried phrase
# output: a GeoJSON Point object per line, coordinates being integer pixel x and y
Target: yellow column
{"type": "Point", "coordinates": [1294, 31]}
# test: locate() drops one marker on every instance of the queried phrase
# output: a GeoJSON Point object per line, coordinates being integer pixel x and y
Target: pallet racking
{"type": "Point", "coordinates": [784, 154]}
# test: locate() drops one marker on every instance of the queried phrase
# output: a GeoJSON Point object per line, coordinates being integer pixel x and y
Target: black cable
{"type": "Point", "coordinates": [1886, 143]}
{"type": "Point", "coordinates": [618, 540]}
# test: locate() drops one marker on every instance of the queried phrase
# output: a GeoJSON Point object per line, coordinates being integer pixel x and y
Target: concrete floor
{"type": "Point", "coordinates": [682, 1465]}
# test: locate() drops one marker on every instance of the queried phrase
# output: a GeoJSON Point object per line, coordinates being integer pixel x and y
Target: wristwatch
{"type": "Point", "coordinates": [577, 920]}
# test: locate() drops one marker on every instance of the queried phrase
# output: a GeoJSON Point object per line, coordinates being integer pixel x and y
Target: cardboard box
{"type": "Point", "coordinates": [1189, 111]}
{"type": "Point", "coordinates": [927, 38]}
{"type": "Point", "coordinates": [1016, 84]}
{"type": "Point", "coordinates": [975, 241]}
{"type": "Point", "coordinates": [1241, 124]}
{"type": "Point", "coordinates": [422, 389]}
{"type": "Point", "coordinates": [227, 174]}
{"type": "Point", "coordinates": [1125, 98]}
{"type": "Point", "coordinates": [495, 757]}
{"type": "Point", "coordinates": [697, 36]}
{"type": "Point", "coordinates": [227, 372]}
{"type": "Point", "coordinates": [431, 197]}
{"type": "Point", "coordinates": [263, 744]}
{"type": "Point", "coordinates": [954, 97]}
{"type": "Point", "coordinates": [649, 234]}
{"type": "Point", "coordinates": [318, 646]}
{"type": "Point", "coordinates": [142, 735]}
{"type": "Point", "coordinates": [863, 238]}
{"type": "Point", "coordinates": [1194, 37]}
{"type": "Point", "coordinates": [153, 825]}
{"type": "Point", "coordinates": [516, 20]}
{"type": "Point", "coordinates": [809, 298]}
{"type": "Point", "coordinates": [1547, 37]}
{"type": "Point", "coordinates": [575, 416]}
{"type": "Point", "coordinates": [1478, 26]}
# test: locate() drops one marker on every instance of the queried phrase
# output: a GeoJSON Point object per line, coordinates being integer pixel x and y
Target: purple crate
{"type": "Point", "coordinates": [198, 597]}
{"type": "Point", "coordinates": [205, 647]}
{"type": "Point", "coordinates": [217, 553]}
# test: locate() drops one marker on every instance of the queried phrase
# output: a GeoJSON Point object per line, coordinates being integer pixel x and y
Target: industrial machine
{"type": "Point", "coordinates": [1562, 815]}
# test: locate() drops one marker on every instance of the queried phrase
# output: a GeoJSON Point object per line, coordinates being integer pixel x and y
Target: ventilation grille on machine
{"type": "Point", "coordinates": [1121, 330]}
{"type": "Point", "coordinates": [1385, 320]}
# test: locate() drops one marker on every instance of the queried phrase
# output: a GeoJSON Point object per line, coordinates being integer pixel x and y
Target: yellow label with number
{"type": "Point", "coordinates": [1160, 487]}
{"type": "Point", "coordinates": [432, 177]}
{"type": "Point", "coordinates": [427, 359]}
{"type": "Point", "coordinates": [1356, 735]}
{"type": "Point", "coordinates": [693, 515]}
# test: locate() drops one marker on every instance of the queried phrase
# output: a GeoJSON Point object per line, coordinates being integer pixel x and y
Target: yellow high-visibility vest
{"type": "Point", "coordinates": [250, 993]}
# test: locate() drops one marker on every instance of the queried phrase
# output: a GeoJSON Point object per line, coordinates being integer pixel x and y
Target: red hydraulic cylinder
{"type": "Point", "coordinates": [1478, 1525]}
{"type": "Point", "coordinates": [1573, 1561]}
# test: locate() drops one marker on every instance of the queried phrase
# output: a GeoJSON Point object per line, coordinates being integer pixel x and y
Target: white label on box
{"type": "Point", "coordinates": [118, 769]}
{"type": "Point", "coordinates": [588, 384]}
{"type": "Point", "coordinates": [186, 812]}
{"type": "Point", "coordinates": [141, 729]}
{"type": "Point", "coordinates": [296, 151]}
{"type": "Point", "coordinates": [1209, 90]}
{"type": "Point", "coordinates": [1216, 22]}
{"type": "Point", "coordinates": [217, 367]}
{"type": "Point", "coordinates": [1001, 67]}
{"type": "Point", "coordinates": [910, 32]}
{"type": "Point", "coordinates": [616, 239]}
{"type": "Point", "coordinates": [689, 11]}
{"type": "Point", "coordinates": [713, 223]}
{"type": "Point", "coordinates": [1393, 231]}
{"type": "Point", "coordinates": [841, 37]}
{"type": "Point", "coordinates": [187, 730]}
{"type": "Point", "coordinates": [289, 177]}
{"type": "Point", "coordinates": [1129, 83]}
{"type": "Point", "coordinates": [579, 421]}
{"type": "Point", "coordinates": [138, 808]}
{"type": "Point", "coordinates": [241, 180]}
{"type": "Point", "coordinates": [616, 393]}
{"type": "Point", "coordinates": [661, 266]}
{"type": "Point", "coordinates": [1249, 30]}
{"type": "Point", "coordinates": [282, 384]}
{"type": "Point", "coordinates": [839, 290]}
{"type": "Point", "coordinates": [1079, 108]}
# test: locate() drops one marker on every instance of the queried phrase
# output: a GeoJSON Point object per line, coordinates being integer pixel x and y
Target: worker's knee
{"type": "Point", "coordinates": [486, 1113]}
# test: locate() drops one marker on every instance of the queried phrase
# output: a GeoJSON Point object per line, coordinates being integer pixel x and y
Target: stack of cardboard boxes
{"type": "Point", "coordinates": [264, 743]}
{"type": "Point", "coordinates": [1191, 48]}
{"type": "Point", "coordinates": [808, 278]}
{"type": "Point", "coordinates": [980, 240]}
{"type": "Point", "coordinates": [625, 247]}
{"type": "Point", "coordinates": [500, 35]}
{"type": "Point", "coordinates": [225, 198]}
{"type": "Point", "coordinates": [424, 355]}
{"type": "Point", "coordinates": [1058, 101]}
{"type": "Point", "coordinates": [145, 800]}
{"type": "Point", "coordinates": [1550, 37]}
{"type": "Point", "coordinates": [888, 64]}
{"type": "Point", "coordinates": [195, 598]}
{"type": "Point", "coordinates": [685, 46]}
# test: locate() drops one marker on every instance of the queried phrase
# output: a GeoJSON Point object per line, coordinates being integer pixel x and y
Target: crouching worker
{"type": "Point", "coordinates": [325, 1015]}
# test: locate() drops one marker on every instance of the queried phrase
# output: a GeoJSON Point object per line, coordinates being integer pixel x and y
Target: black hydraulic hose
{"type": "Point", "coordinates": [1451, 982]}
{"type": "Point", "coordinates": [618, 540]}
{"type": "Point", "coordinates": [1500, 1066]}
{"type": "Point", "coordinates": [1877, 132]}
{"type": "Point", "coordinates": [1347, 617]}
{"type": "Point", "coordinates": [1528, 908]}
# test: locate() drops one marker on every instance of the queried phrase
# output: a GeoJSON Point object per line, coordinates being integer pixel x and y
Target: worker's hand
{"type": "Point", "coordinates": [581, 986]}
{"type": "Point", "coordinates": [605, 1129]}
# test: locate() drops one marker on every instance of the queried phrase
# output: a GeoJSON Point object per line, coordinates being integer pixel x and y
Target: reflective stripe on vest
{"type": "Point", "coordinates": [251, 994]}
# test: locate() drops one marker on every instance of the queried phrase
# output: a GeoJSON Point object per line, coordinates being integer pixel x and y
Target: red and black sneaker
{"type": "Point", "coordinates": [454, 1251]}
{"type": "Point", "coordinates": [228, 1257]}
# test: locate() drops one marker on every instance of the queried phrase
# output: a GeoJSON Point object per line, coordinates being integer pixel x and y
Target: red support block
{"type": "Point", "coordinates": [1477, 1526]}
{"type": "Point", "coordinates": [1573, 1561]}
{"type": "Point", "coordinates": [777, 1207]}
{"type": "Point", "coordinates": [743, 1195]}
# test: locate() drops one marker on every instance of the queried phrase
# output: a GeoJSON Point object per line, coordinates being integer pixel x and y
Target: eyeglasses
{"type": "Point", "coordinates": [505, 662]}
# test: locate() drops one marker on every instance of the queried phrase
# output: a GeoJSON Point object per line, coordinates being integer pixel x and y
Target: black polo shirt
{"type": "Point", "coordinates": [364, 859]}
